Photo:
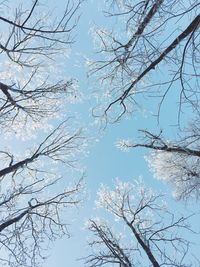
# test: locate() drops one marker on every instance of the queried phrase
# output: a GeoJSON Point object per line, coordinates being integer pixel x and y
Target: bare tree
{"type": "Point", "coordinates": [152, 48]}
{"type": "Point", "coordinates": [33, 195]}
{"type": "Point", "coordinates": [32, 40]}
{"type": "Point", "coordinates": [31, 208]}
{"type": "Point", "coordinates": [32, 31]}
{"type": "Point", "coordinates": [174, 161]}
{"type": "Point", "coordinates": [30, 105]}
{"type": "Point", "coordinates": [154, 236]}
{"type": "Point", "coordinates": [26, 229]}
{"type": "Point", "coordinates": [58, 146]}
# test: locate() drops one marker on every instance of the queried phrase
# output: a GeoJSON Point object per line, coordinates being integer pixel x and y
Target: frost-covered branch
{"type": "Point", "coordinates": [176, 161]}
{"type": "Point", "coordinates": [33, 31]}
{"type": "Point", "coordinates": [149, 51]}
{"type": "Point", "coordinates": [31, 214]}
{"type": "Point", "coordinates": [156, 142]}
{"type": "Point", "coordinates": [151, 233]}
{"type": "Point", "coordinates": [32, 210]}
{"type": "Point", "coordinates": [114, 254]}
{"type": "Point", "coordinates": [32, 88]}
{"type": "Point", "coordinates": [59, 145]}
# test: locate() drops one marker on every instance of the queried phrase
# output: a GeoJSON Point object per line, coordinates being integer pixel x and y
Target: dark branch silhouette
{"type": "Point", "coordinates": [156, 50]}
{"type": "Point", "coordinates": [151, 231]}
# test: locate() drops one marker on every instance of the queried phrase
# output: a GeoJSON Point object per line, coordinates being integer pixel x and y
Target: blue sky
{"type": "Point", "coordinates": [105, 162]}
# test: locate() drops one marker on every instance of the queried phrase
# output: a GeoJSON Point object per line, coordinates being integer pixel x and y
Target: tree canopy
{"type": "Point", "coordinates": [145, 58]}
